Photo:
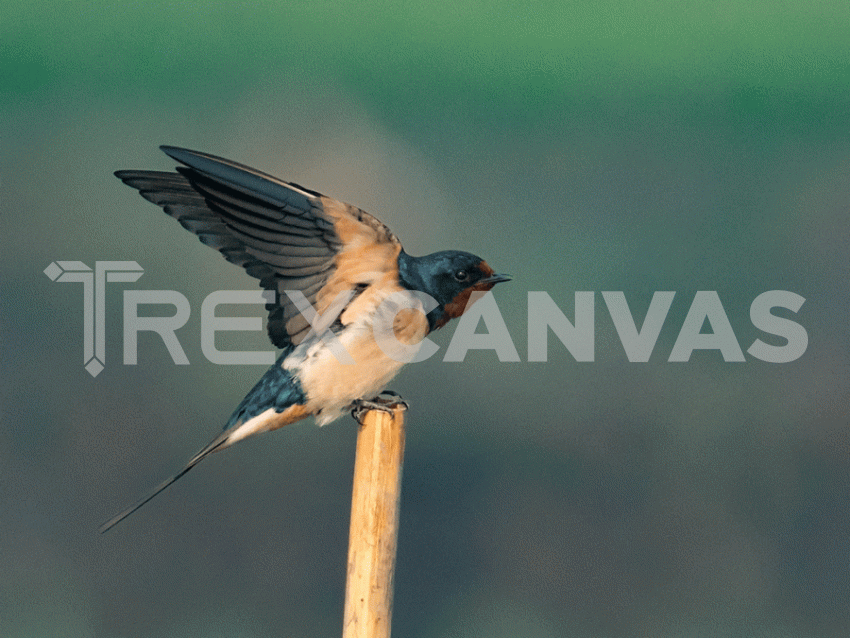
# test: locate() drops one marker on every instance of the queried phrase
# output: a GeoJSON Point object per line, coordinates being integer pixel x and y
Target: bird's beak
{"type": "Point", "coordinates": [495, 279]}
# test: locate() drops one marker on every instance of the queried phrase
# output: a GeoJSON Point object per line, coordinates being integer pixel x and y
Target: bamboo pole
{"type": "Point", "coordinates": [374, 525]}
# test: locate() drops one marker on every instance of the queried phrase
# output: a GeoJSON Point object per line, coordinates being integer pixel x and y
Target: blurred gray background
{"type": "Point", "coordinates": [596, 146]}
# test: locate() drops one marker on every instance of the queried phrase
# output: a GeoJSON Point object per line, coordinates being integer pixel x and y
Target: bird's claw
{"type": "Point", "coordinates": [394, 398]}
{"type": "Point", "coordinates": [387, 401]}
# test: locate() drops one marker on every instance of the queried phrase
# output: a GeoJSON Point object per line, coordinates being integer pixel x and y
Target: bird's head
{"type": "Point", "coordinates": [450, 277]}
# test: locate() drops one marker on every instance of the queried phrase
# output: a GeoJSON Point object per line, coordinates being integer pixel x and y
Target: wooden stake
{"type": "Point", "coordinates": [374, 525]}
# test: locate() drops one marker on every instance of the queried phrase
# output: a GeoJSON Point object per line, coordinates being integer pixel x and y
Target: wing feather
{"type": "Point", "coordinates": [287, 236]}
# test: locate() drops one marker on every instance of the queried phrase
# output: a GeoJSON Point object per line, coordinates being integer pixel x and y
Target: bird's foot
{"type": "Point", "coordinates": [387, 401]}
{"type": "Point", "coordinates": [394, 398]}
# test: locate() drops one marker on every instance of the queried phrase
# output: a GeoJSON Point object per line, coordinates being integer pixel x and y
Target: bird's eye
{"type": "Point", "coordinates": [461, 275]}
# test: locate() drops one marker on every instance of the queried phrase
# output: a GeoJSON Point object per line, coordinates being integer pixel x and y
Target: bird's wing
{"type": "Point", "coordinates": [285, 235]}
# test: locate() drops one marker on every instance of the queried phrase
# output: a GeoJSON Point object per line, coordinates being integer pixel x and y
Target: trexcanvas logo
{"type": "Point", "coordinates": [94, 295]}
{"type": "Point", "coordinates": [544, 315]}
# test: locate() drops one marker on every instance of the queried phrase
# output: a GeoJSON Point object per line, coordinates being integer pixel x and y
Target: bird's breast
{"type": "Point", "coordinates": [378, 341]}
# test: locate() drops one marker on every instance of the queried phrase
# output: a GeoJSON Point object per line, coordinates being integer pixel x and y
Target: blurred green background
{"type": "Point", "coordinates": [605, 145]}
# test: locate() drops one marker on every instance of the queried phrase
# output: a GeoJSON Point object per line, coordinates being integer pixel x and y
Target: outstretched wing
{"type": "Point", "coordinates": [287, 236]}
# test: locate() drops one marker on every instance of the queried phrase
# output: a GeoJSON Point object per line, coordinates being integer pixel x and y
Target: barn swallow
{"type": "Point", "coordinates": [343, 261]}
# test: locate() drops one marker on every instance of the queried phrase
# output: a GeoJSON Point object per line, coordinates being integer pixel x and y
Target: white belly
{"type": "Point", "coordinates": [332, 386]}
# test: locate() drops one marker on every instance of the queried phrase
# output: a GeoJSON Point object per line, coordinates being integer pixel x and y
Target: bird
{"type": "Point", "coordinates": [313, 255]}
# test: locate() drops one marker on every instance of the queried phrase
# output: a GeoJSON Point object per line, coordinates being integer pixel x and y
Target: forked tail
{"type": "Point", "coordinates": [220, 440]}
